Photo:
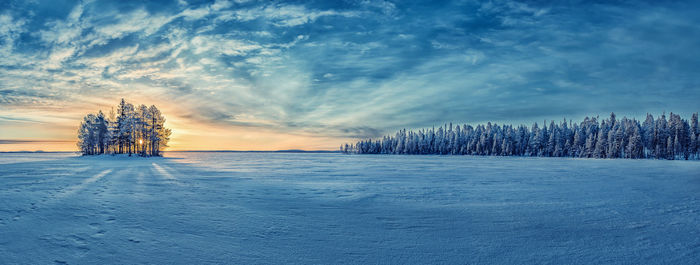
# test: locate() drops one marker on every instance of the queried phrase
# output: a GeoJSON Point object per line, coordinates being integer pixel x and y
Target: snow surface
{"type": "Point", "coordinates": [300, 208]}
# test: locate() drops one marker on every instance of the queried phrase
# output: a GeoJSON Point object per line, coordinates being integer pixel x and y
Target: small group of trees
{"type": "Point", "coordinates": [130, 130]}
{"type": "Point", "coordinates": [662, 138]}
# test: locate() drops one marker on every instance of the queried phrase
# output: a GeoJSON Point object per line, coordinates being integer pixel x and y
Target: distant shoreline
{"type": "Point", "coordinates": [36, 152]}
{"type": "Point", "coordinates": [190, 151]}
{"type": "Point", "coordinates": [257, 151]}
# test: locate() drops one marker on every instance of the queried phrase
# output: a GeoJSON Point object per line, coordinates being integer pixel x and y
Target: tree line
{"type": "Point", "coordinates": [131, 130]}
{"type": "Point", "coordinates": [661, 138]}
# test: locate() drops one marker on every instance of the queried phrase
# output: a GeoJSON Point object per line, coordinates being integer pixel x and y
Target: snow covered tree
{"type": "Point", "coordinates": [602, 142]}
{"type": "Point", "coordinates": [131, 130]}
{"type": "Point", "coordinates": [694, 142]}
{"type": "Point", "coordinates": [635, 147]}
{"type": "Point", "coordinates": [609, 138]}
{"type": "Point", "coordinates": [648, 135]}
{"type": "Point", "coordinates": [102, 132]}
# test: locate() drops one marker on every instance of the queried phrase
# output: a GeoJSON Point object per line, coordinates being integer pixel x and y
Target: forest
{"type": "Point", "coordinates": [130, 130]}
{"type": "Point", "coordinates": [661, 138]}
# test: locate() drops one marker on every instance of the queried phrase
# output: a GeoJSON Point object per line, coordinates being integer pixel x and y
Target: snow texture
{"type": "Point", "coordinates": [300, 208]}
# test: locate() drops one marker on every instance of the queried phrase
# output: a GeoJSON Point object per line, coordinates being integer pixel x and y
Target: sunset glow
{"type": "Point", "coordinates": [249, 75]}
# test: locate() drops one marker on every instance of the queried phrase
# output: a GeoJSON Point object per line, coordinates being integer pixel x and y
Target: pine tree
{"type": "Point", "coordinates": [635, 147]}
{"type": "Point", "coordinates": [694, 143]}
{"type": "Point", "coordinates": [602, 142]}
{"type": "Point", "coordinates": [102, 132]}
{"type": "Point", "coordinates": [129, 131]}
{"type": "Point", "coordinates": [648, 135]}
{"type": "Point", "coordinates": [612, 138]}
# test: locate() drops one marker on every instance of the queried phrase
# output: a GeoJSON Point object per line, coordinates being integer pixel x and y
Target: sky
{"type": "Point", "coordinates": [272, 75]}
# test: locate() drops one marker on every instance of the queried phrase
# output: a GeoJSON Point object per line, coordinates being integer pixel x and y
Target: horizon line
{"type": "Point", "coordinates": [203, 151]}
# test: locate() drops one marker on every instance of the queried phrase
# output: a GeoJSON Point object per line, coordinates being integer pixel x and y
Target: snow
{"type": "Point", "coordinates": [305, 208]}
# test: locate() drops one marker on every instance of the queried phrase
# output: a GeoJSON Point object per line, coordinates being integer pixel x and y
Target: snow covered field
{"type": "Point", "coordinates": [300, 208]}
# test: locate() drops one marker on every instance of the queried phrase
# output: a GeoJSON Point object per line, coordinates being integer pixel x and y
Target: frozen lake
{"type": "Point", "coordinates": [304, 208]}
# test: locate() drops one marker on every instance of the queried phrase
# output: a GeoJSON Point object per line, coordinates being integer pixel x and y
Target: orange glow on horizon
{"type": "Point", "coordinates": [55, 129]}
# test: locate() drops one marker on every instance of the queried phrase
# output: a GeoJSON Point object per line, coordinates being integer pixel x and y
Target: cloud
{"type": "Point", "coordinates": [139, 21]}
{"type": "Point", "coordinates": [284, 15]}
{"type": "Point", "coordinates": [222, 45]}
{"type": "Point", "coordinates": [59, 55]}
{"type": "Point", "coordinates": [385, 7]}
{"type": "Point", "coordinates": [10, 27]}
{"type": "Point", "coordinates": [345, 70]}
{"type": "Point", "coordinates": [12, 141]}
{"type": "Point", "coordinates": [10, 30]}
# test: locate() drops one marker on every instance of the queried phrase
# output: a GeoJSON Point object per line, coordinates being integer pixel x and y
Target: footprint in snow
{"type": "Point", "coordinates": [99, 233]}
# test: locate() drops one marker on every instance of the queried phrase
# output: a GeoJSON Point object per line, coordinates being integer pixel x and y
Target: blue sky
{"type": "Point", "coordinates": [313, 74]}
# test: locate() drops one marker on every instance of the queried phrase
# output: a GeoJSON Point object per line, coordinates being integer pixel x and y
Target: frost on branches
{"type": "Point", "coordinates": [662, 138]}
{"type": "Point", "coordinates": [131, 130]}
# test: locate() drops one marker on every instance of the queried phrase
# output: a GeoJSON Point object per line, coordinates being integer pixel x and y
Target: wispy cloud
{"type": "Point", "coordinates": [282, 15]}
{"type": "Point", "coordinates": [6, 141]}
{"type": "Point", "coordinates": [337, 70]}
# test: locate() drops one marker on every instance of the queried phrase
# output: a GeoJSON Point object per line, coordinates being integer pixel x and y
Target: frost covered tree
{"type": "Point", "coordinates": [660, 138]}
{"type": "Point", "coordinates": [140, 130]}
{"type": "Point", "coordinates": [694, 141]}
{"type": "Point", "coordinates": [635, 148]}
